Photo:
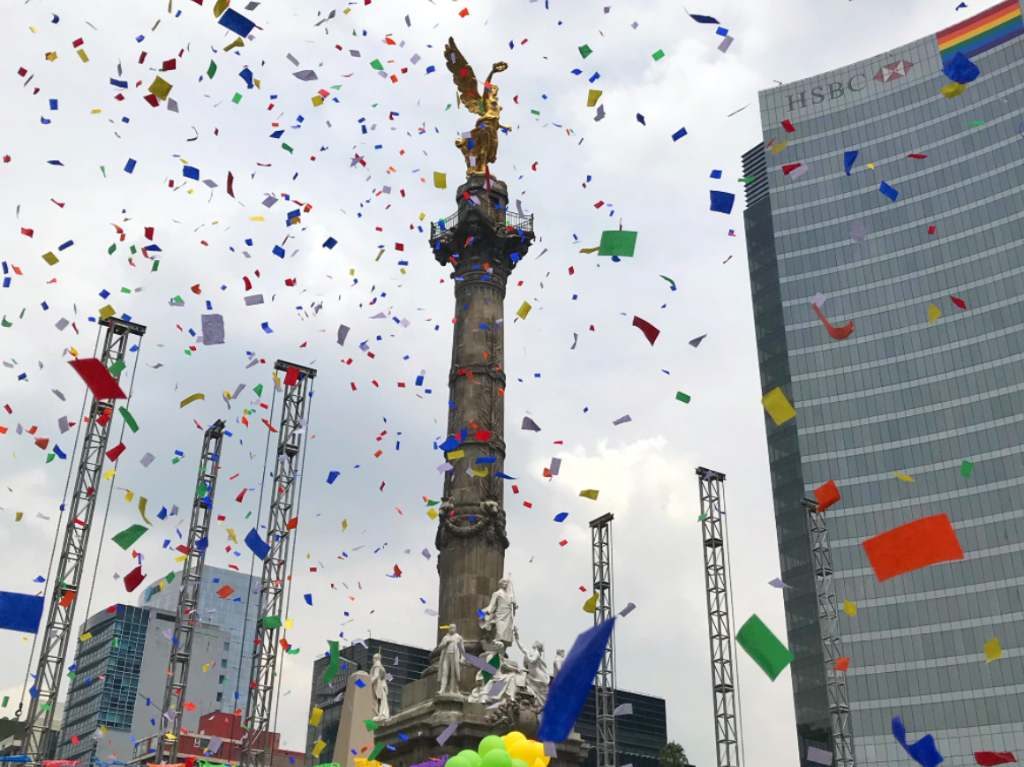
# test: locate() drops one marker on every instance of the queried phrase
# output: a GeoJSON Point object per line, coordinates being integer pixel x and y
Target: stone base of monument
{"type": "Point", "coordinates": [413, 732]}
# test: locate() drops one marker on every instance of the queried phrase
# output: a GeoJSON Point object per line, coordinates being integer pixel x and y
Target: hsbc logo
{"type": "Point", "coordinates": [840, 88]}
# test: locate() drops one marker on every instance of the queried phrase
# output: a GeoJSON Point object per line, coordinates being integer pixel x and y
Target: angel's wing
{"type": "Point", "coordinates": [463, 75]}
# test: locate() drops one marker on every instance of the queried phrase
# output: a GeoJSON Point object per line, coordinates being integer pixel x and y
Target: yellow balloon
{"type": "Point", "coordinates": [521, 750]}
{"type": "Point", "coordinates": [514, 737]}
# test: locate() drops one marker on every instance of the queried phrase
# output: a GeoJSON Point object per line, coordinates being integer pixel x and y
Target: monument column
{"type": "Point", "coordinates": [482, 243]}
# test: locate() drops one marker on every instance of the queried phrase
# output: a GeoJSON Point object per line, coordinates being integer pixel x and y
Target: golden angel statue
{"type": "Point", "coordinates": [481, 147]}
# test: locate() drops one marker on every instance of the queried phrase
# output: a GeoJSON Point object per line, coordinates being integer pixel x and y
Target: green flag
{"type": "Point", "coordinates": [616, 242]}
{"type": "Point", "coordinates": [764, 647]}
{"type": "Point", "coordinates": [129, 535]}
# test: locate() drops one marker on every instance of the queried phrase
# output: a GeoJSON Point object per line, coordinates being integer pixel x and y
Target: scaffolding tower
{"type": "Point", "coordinates": [828, 620]}
{"type": "Point", "coordinates": [604, 682]}
{"type": "Point", "coordinates": [283, 519]}
{"type": "Point", "coordinates": [188, 598]}
{"type": "Point", "coordinates": [716, 578]}
{"type": "Point", "coordinates": [67, 580]}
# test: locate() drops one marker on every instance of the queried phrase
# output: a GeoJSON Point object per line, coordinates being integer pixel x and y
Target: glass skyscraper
{"type": "Point", "coordinates": [890, 204]}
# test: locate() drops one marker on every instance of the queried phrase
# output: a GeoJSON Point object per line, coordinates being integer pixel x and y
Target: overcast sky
{"type": "Point", "coordinates": [558, 162]}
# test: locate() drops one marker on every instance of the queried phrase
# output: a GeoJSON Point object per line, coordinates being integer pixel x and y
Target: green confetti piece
{"type": "Point", "coordinates": [111, 249]}
{"type": "Point", "coordinates": [616, 242]}
{"type": "Point", "coordinates": [585, 50]}
{"type": "Point", "coordinates": [103, 170]}
{"type": "Point", "coordinates": [658, 55]}
{"type": "Point", "coordinates": [746, 180]}
{"type": "Point", "coordinates": [287, 148]}
{"type": "Point", "coordinates": [975, 123]}
{"type": "Point", "coordinates": [271, 622]}
{"type": "Point", "coordinates": [370, 725]}
{"type": "Point", "coordinates": [117, 368]}
{"type": "Point", "coordinates": [376, 751]}
{"type": "Point", "coordinates": [212, 69]}
{"type": "Point", "coordinates": [334, 663]}
{"type": "Point", "coordinates": [966, 469]}
{"type": "Point", "coordinates": [375, 64]}
{"type": "Point", "coordinates": [763, 647]}
{"type": "Point", "coordinates": [535, 112]}
{"type": "Point", "coordinates": [129, 419]}
{"type": "Point", "coordinates": [682, 397]}
{"type": "Point", "coordinates": [237, 98]}
{"type": "Point", "coordinates": [50, 457]}
{"type": "Point", "coordinates": [258, 388]}
{"type": "Point", "coordinates": [156, 265]}
{"type": "Point", "coordinates": [127, 537]}
{"type": "Point", "coordinates": [5, 323]}
{"type": "Point", "coordinates": [128, 291]}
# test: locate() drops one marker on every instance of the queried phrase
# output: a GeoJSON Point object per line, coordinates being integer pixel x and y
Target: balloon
{"type": "Point", "coordinates": [540, 761]}
{"type": "Point", "coordinates": [534, 750]}
{"type": "Point", "coordinates": [521, 751]}
{"type": "Point", "coordinates": [490, 743]}
{"type": "Point", "coordinates": [458, 761]}
{"type": "Point", "coordinates": [496, 757]}
{"type": "Point", "coordinates": [519, 763]}
{"type": "Point", "coordinates": [514, 737]}
{"type": "Point", "coordinates": [468, 757]}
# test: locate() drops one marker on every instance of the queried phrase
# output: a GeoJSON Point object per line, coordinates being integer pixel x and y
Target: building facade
{"type": "Point", "coordinates": [218, 740]}
{"type": "Point", "coordinates": [118, 680]}
{"type": "Point", "coordinates": [882, 201]}
{"type": "Point", "coordinates": [639, 737]}
{"type": "Point", "coordinates": [232, 612]}
{"type": "Point", "coordinates": [404, 664]}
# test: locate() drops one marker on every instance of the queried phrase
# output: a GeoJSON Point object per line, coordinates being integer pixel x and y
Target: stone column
{"type": "Point", "coordinates": [483, 244]}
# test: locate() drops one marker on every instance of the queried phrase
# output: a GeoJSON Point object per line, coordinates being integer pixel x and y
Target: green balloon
{"type": "Point", "coordinates": [519, 763]}
{"type": "Point", "coordinates": [497, 757]}
{"type": "Point", "coordinates": [491, 743]}
{"type": "Point", "coordinates": [468, 758]}
{"type": "Point", "coordinates": [457, 761]}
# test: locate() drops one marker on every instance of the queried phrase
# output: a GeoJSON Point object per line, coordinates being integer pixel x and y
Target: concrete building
{"type": "Point", "coordinates": [218, 740]}
{"type": "Point", "coordinates": [118, 681]}
{"type": "Point", "coordinates": [404, 663]}
{"type": "Point", "coordinates": [640, 736]}
{"type": "Point", "coordinates": [229, 612]}
{"type": "Point", "coordinates": [904, 208]}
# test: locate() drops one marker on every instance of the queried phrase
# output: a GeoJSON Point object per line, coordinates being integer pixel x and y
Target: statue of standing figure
{"type": "Point", "coordinates": [379, 686]}
{"type": "Point", "coordinates": [500, 613]}
{"type": "Point", "coordinates": [451, 653]}
{"type": "Point", "coordinates": [537, 677]}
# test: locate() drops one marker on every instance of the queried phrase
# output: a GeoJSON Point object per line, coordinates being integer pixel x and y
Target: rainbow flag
{"type": "Point", "coordinates": [994, 27]}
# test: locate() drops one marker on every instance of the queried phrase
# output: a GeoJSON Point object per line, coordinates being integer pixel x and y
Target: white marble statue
{"type": "Point", "coordinates": [536, 670]}
{"type": "Point", "coordinates": [451, 653]}
{"type": "Point", "coordinates": [556, 664]}
{"type": "Point", "coordinates": [379, 686]}
{"type": "Point", "coordinates": [501, 612]}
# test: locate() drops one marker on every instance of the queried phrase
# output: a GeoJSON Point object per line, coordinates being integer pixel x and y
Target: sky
{"type": "Point", "coordinates": [63, 178]}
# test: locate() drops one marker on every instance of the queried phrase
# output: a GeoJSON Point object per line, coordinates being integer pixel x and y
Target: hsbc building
{"type": "Point", "coordinates": [885, 243]}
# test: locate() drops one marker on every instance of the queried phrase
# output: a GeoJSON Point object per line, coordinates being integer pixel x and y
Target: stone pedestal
{"type": "Point", "coordinates": [358, 706]}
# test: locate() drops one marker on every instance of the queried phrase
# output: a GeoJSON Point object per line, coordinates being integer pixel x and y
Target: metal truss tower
{"type": "Point", "coordinates": [67, 579]}
{"type": "Point", "coordinates": [828, 619]}
{"type": "Point", "coordinates": [604, 683]}
{"type": "Point", "coordinates": [188, 597]}
{"type": "Point", "coordinates": [282, 521]}
{"type": "Point", "coordinates": [716, 578]}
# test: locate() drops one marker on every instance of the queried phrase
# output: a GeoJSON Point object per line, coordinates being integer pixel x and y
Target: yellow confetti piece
{"type": "Point", "coordinates": [85, 637]}
{"type": "Point", "coordinates": [318, 748]}
{"type": "Point", "coordinates": [206, 667]}
{"type": "Point", "coordinates": [902, 477]}
{"type": "Point", "coordinates": [777, 148]}
{"type": "Point", "coordinates": [232, 535]}
{"type": "Point", "coordinates": [871, 166]}
{"type": "Point", "coordinates": [590, 606]}
{"type": "Point", "coordinates": [289, 623]}
{"type": "Point", "coordinates": [455, 455]}
{"type": "Point", "coordinates": [777, 406]}
{"type": "Point", "coordinates": [191, 398]}
{"type": "Point", "coordinates": [590, 250]}
{"type": "Point", "coordinates": [18, 515]}
{"type": "Point", "coordinates": [344, 524]}
{"type": "Point", "coordinates": [95, 111]}
{"type": "Point", "coordinates": [993, 650]}
{"type": "Point", "coordinates": [160, 88]}
{"type": "Point", "coordinates": [317, 100]}
{"type": "Point", "coordinates": [315, 716]}
{"type": "Point", "coordinates": [479, 472]}
{"type": "Point", "coordinates": [51, 55]}
{"type": "Point", "coordinates": [106, 311]}
{"type": "Point", "coordinates": [934, 313]}
{"type": "Point", "coordinates": [422, 215]}
{"type": "Point", "coordinates": [952, 90]}
{"type": "Point", "coordinates": [109, 474]}
{"type": "Point", "coordinates": [850, 608]}
{"type": "Point", "coordinates": [257, 218]}
{"type": "Point", "coordinates": [219, 7]}
{"type": "Point", "coordinates": [179, 558]}
{"type": "Point", "coordinates": [83, 55]}
{"type": "Point", "coordinates": [129, 495]}
{"type": "Point", "coordinates": [440, 180]}
{"type": "Point", "coordinates": [591, 494]}
{"type": "Point", "coordinates": [431, 514]}
{"type": "Point", "coordinates": [592, 97]}
{"type": "Point", "coordinates": [523, 310]}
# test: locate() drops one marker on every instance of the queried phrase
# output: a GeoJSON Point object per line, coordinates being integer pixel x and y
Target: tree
{"type": "Point", "coordinates": [672, 755]}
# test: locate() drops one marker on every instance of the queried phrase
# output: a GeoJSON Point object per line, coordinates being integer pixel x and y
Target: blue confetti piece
{"type": "Point", "coordinates": [189, 172]}
{"type": "Point", "coordinates": [679, 134]}
{"type": "Point", "coordinates": [129, 166]}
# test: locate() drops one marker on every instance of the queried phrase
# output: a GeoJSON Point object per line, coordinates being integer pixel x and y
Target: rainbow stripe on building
{"type": "Point", "coordinates": [1000, 23]}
